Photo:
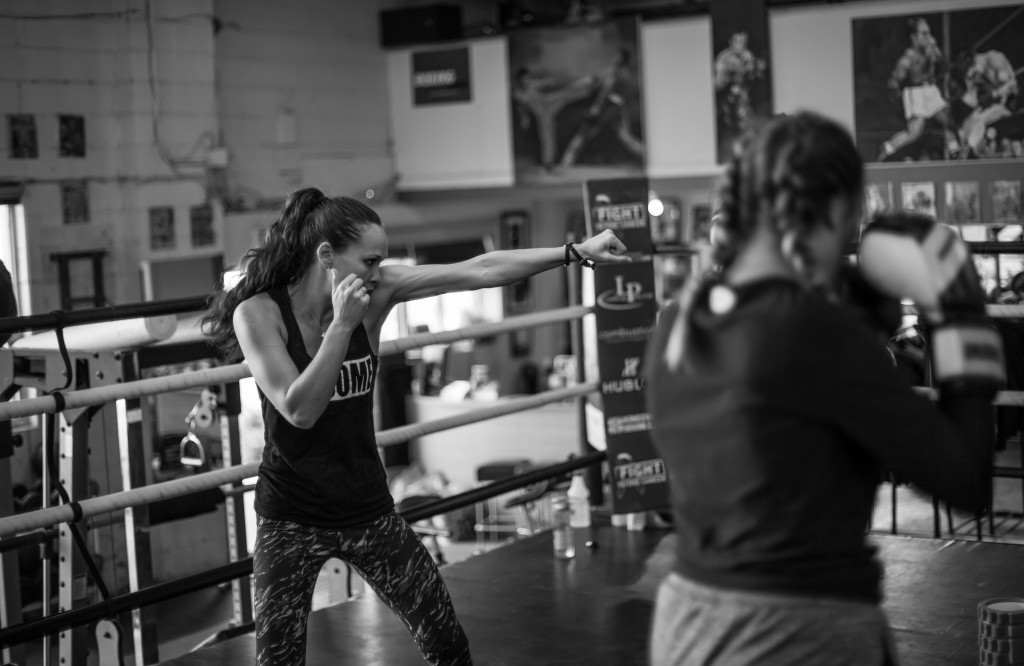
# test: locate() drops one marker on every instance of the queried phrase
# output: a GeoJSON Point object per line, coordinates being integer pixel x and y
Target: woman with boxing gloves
{"type": "Point", "coordinates": [306, 316]}
{"type": "Point", "coordinates": [776, 407]}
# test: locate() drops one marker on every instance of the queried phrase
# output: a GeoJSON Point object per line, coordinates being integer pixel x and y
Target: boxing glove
{"type": "Point", "coordinates": [880, 311]}
{"type": "Point", "coordinates": [909, 255]}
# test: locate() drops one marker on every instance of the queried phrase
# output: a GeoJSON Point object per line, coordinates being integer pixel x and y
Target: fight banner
{"type": "Point", "coordinates": [440, 77]}
{"type": "Point", "coordinates": [625, 312]}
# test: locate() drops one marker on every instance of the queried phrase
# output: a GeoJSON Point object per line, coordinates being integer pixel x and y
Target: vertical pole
{"type": "Point", "coordinates": [138, 552]}
{"type": "Point", "coordinates": [234, 505]}
{"type": "Point", "coordinates": [10, 585]}
{"type": "Point", "coordinates": [73, 474]}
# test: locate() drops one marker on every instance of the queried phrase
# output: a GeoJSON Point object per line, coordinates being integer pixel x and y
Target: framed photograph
{"type": "Point", "coordinates": [161, 228]}
{"type": "Point", "coordinates": [878, 198]}
{"type": "Point", "coordinates": [930, 86]}
{"type": "Point", "coordinates": [22, 137]}
{"type": "Point", "coordinates": [577, 107]}
{"type": "Point", "coordinates": [71, 138]}
{"type": "Point", "coordinates": [919, 197]}
{"type": "Point", "coordinates": [701, 221]}
{"type": "Point", "coordinates": [74, 197]}
{"type": "Point", "coordinates": [1005, 201]}
{"type": "Point", "coordinates": [667, 226]}
{"type": "Point", "coordinates": [962, 203]}
{"type": "Point", "coordinates": [201, 226]}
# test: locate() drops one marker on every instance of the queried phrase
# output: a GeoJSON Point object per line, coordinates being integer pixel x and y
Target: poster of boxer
{"type": "Point", "coordinates": [743, 91]}
{"type": "Point", "coordinates": [940, 85]}
{"type": "Point", "coordinates": [576, 102]}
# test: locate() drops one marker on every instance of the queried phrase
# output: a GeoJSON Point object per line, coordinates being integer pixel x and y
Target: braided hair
{"type": "Point", "coordinates": [785, 173]}
{"type": "Point", "coordinates": [307, 219]}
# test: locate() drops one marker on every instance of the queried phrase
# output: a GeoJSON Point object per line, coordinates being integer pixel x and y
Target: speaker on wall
{"type": "Point", "coordinates": [420, 25]}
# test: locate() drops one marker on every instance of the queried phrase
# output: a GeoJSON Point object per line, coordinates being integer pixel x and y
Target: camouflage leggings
{"type": "Point", "coordinates": [389, 557]}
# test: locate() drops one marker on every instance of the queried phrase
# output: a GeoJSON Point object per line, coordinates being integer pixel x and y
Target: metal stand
{"type": "Point", "coordinates": [136, 435]}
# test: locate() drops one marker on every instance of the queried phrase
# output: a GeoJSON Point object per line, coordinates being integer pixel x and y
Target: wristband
{"type": "Point", "coordinates": [967, 351]}
{"type": "Point", "coordinates": [585, 263]}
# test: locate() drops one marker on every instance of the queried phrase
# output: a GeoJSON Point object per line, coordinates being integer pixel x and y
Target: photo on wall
{"type": "Point", "coordinates": [576, 102]}
{"type": "Point", "coordinates": [940, 85]}
{"type": "Point", "coordinates": [878, 198]}
{"type": "Point", "coordinates": [919, 198]}
{"type": "Point", "coordinates": [741, 74]}
{"type": "Point", "coordinates": [1006, 202]}
{"type": "Point", "coordinates": [962, 203]}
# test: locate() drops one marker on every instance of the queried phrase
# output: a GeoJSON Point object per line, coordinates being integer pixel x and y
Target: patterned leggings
{"type": "Point", "coordinates": [389, 557]}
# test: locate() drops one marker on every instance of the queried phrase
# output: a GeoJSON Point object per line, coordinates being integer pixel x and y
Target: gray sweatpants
{"type": "Point", "coordinates": [699, 625]}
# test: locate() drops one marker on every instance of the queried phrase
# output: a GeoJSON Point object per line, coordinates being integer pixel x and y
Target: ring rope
{"type": "Point", "coordinates": [509, 324]}
{"type": "Point", "coordinates": [414, 430]}
{"type": "Point", "coordinates": [156, 492]}
{"type": "Point", "coordinates": [99, 395]}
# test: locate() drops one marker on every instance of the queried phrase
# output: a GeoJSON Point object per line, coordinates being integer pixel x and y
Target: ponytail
{"type": "Point", "coordinates": [307, 219]}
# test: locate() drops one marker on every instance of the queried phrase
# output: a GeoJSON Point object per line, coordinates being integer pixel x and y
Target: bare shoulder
{"type": "Point", "coordinates": [258, 313]}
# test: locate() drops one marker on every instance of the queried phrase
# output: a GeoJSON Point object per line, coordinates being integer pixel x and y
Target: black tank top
{"type": "Point", "coordinates": [330, 475]}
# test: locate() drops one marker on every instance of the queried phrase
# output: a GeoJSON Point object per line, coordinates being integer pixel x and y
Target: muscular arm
{"type": "Point", "coordinates": [493, 269]}
{"type": "Point", "coordinates": [300, 397]}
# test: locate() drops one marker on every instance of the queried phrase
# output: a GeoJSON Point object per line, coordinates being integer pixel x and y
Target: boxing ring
{"type": "Point", "coordinates": [517, 603]}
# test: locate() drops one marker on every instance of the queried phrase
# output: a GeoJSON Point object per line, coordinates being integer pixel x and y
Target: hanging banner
{"type": "Point", "coordinates": [743, 85]}
{"type": "Point", "coordinates": [625, 313]}
{"type": "Point", "coordinates": [440, 77]}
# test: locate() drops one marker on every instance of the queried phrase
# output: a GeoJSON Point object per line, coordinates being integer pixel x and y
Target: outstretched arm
{"type": "Point", "coordinates": [493, 269]}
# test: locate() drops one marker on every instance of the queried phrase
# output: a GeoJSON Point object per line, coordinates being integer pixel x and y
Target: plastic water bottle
{"type": "Point", "coordinates": [579, 502]}
{"type": "Point", "coordinates": [562, 538]}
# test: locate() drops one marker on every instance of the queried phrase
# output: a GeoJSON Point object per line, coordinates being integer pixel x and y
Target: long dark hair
{"type": "Point", "coordinates": [308, 219]}
{"type": "Point", "coordinates": [785, 173]}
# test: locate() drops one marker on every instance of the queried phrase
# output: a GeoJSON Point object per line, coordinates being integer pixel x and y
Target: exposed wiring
{"type": "Point", "coordinates": [169, 160]}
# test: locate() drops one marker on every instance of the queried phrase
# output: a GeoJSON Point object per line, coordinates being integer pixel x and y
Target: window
{"type": "Point", "coordinates": [14, 254]}
{"type": "Point", "coordinates": [447, 311]}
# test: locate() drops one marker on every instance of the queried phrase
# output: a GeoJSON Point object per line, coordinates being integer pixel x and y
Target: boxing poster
{"type": "Point", "coordinates": [576, 102]}
{"type": "Point", "coordinates": [939, 85]}
{"type": "Point", "coordinates": [743, 90]}
{"type": "Point", "coordinates": [625, 313]}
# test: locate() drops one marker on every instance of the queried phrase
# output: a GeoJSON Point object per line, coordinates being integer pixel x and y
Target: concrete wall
{"type": "Point", "coordinates": [303, 103]}
{"type": "Point", "coordinates": [98, 64]}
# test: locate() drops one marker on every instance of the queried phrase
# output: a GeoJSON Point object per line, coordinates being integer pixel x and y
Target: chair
{"type": "Point", "coordinates": [536, 510]}
{"type": "Point", "coordinates": [488, 518]}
